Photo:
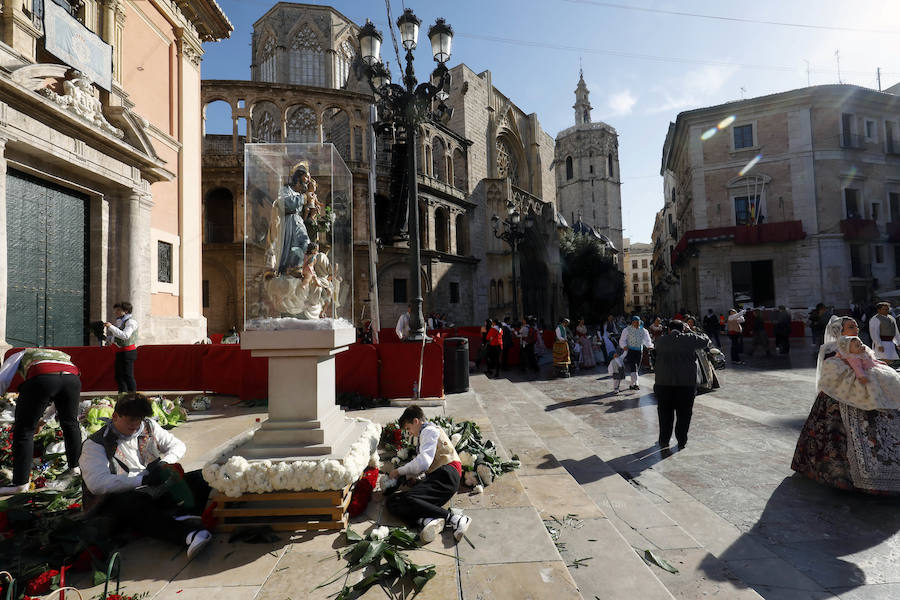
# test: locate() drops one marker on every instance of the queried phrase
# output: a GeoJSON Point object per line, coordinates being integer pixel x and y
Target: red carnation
{"type": "Point", "coordinates": [362, 492]}
{"type": "Point", "coordinates": [208, 518]}
{"type": "Point", "coordinates": [398, 438]}
{"type": "Point", "coordinates": [41, 584]}
{"type": "Point", "coordinates": [74, 506]}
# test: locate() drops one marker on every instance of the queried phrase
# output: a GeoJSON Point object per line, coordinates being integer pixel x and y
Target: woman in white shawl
{"type": "Point", "coordinates": [842, 445]}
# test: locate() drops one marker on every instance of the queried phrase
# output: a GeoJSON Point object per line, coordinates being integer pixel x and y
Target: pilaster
{"type": "Point", "coordinates": [138, 204]}
{"type": "Point", "coordinates": [19, 30]}
{"type": "Point", "coordinates": [4, 274]}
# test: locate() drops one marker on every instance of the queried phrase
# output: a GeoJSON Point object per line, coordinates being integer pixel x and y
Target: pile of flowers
{"type": "Point", "coordinates": [480, 462]}
{"type": "Point", "coordinates": [49, 448]}
{"type": "Point", "coordinates": [236, 475]}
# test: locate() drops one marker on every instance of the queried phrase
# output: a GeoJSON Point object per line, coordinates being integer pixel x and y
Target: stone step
{"type": "Point", "coordinates": [651, 514]}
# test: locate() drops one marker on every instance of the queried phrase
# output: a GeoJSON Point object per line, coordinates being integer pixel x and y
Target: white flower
{"type": "Point", "coordinates": [485, 473]}
{"type": "Point", "coordinates": [395, 461]}
{"type": "Point", "coordinates": [379, 533]}
{"type": "Point", "coordinates": [478, 489]}
{"type": "Point", "coordinates": [454, 439]}
{"type": "Point", "coordinates": [470, 478]}
{"type": "Point", "coordinates": [466, 459]}
{"type": "Point", "coordinates": [56, 448]}
{"type": "Point", "coordinates": [403, 453]}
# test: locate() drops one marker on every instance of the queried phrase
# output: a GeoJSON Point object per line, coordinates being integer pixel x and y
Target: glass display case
{"type": "Point", "coordinates": [298, 240]}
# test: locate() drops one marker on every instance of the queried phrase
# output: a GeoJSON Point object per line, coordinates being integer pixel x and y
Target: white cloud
{"type": "Point", "coordinates": [621, 103]}
{"type": "Point", "coordinates": [698, 87]}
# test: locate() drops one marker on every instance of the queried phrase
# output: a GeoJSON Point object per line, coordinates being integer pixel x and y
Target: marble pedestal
{"type": "Point", "coordinates": [304, 419]}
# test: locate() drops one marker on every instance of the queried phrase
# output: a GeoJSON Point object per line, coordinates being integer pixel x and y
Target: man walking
{"type": "Point", "coordinates": [676, 381]}
{"type": "Point", "coordinates": [883, 329]}
{"type": "Point", "coordinates": [711, 326]}
{"type": "Point", "coordinates": [633, 341]}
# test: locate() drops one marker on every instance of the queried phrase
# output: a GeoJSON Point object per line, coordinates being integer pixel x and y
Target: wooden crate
{"type": "Point", "coordinates": [284, 511]}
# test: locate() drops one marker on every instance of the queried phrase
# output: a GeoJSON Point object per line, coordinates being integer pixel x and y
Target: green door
{"type": "Point", "coordinates": [47, 263]}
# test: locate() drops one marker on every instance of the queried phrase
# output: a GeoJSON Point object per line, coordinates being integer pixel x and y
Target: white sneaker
{"type": "Point", "coordinates": [430, 529]}
{"type": "Point", "coordinates": [460, 524]}
{"type": "Point", "coordinates": [197, 541]}
{"type": "Point", "coordinates": [13, 489]}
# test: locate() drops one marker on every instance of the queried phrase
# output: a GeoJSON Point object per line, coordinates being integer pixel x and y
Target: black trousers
{"type": "Point", "coordinates": [426, 498]}
{"type": "Point", "coordinates": [632, 360]}
{"type": "Point", "coordinates": [124, 367]}
{"type": "Point", "coordinates": [783, 341]}
{"type": "Point", "coordinates": [35, 395]}
{"type": "Point", "coordinates": [530, 359]}
{"type": "Point", "coordinates": [153, 517]}
{"type": "Point", "coordinates": [675, 404]}
{"type": "Point", "coordinates": [714, 335]}
{"type": "Point", "coordinates": [493, 360]}
{"type": "Point", "coordinates": [737, 346]}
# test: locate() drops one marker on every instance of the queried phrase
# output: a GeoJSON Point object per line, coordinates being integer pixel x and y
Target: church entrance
{"type": "Point", "coordinates": [47, 263]}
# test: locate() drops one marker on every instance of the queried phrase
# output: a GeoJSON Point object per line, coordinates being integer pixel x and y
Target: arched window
{"type": "Point", "coordinates": [460, 178]}
{"type": "Point", "coordinates": [266, 127]}
{"type": "Point", "coordinates": [569, 168]}
{"type": "Point", "coordinates": [500, 299]}
{"type": "Point", "coordinates": [462, 246]}
{"type": "Point", "coordinates": [507, 163]}
{"type": "Point", "coordinates": [344, 58]}
{"type": "Point", "coordinates": [609, 160]}
{"type": "Point", "coordinates": [267, 60]}
{"type": "Point", "coordinates": [437, 157]}
{"type": "Point", "coordinates": [306, 65]}
{"type": "Point", "coordinates": [301, 125]}
{"type": "Point", "coordinates": [219, 224]}
{"type": "Point", "coordinates": [442, 230]}
{"type": "Point", "coordinates": [336, 129]}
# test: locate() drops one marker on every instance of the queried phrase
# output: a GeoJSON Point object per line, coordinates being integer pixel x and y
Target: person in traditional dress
{"type": "Point", "coordinates": [841, 445]}
{"type": "Point", "coordinates": [871, 385]}
{"type": "Point", "coordinates": [561, 356]}
{"type": "Point", "coordinates": [884, 332]}
{"type": "Point", "coordinates": [633, 341]}
{"type": "Point", "coordinates": [402, 327]}
{"type": "Point", "coordinates": [736, 334]}
{"type": "Point", "coordinates": [436, 459]}
{"type": "Point", "coordinates": [49, 376]}
{"type": "Point", "coordinates": [610, 336]}
{"type": "Point", "coordinates": [587, 351]}
{"type": "Point", "coordinates": [123, 336]}
{"type": "Point", "coordinates": [495, 347]}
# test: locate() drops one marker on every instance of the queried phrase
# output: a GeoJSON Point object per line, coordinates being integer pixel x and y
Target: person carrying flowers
{"type": "Point", "coordinates": [130, 474]}
{"type": "Point", "coordinates": [422, 505]}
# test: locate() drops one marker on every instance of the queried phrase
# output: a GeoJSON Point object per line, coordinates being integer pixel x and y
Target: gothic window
{"type": "Point", "coordinates": [569, 168]}
{"type": "Point", "coordinates": [267, 61]}
{"type": "Point", "coordinates": [265, 129]}
{"type": "Point", "coordinates": [438, 162]}
{"type": "Point", "coordinates": [507, 165]}
{"type": "Point", "coordinates": [306, 64]}
{"type": "Point", "coordinates": [460, 178]}
{"type": "Point", "coordinates": [345, 56]}
{"type": "Point", "coordinates": [301, 126]}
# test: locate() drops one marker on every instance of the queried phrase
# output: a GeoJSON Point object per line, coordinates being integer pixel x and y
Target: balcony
{"type": "Point", "coordinates": [852, 141]}
{"type": "Point", "coordinates": [436, 185]}
{"type": "Point", "coordinates": [768, 233]}
{"type": "Point", "coordinates": [859, 229]}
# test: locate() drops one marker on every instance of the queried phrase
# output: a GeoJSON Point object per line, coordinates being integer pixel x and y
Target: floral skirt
{"type": "Point", "coordinates": [850, 449]}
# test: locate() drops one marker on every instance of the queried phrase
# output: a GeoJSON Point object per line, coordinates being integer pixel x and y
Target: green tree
{"type": "Point", "coordinates": [591, 282]}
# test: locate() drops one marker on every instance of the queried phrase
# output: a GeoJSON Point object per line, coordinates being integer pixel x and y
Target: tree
{"type": "Point", "coordinates": [592, 283]}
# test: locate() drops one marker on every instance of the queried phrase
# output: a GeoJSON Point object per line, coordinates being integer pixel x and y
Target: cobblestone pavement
{"type": "Point", "coordinates": [783, 535]}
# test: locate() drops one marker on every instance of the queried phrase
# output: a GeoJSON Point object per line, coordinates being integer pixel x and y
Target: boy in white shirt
{"type": "Point", "coordinates": [437, 458]}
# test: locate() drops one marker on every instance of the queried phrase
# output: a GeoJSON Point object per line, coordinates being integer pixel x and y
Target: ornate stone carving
{"type": "Point", "coordinates": [79, 97]}
{"type": "Point", "coordinates": [192, 54]}
{"type": "Point", "coordinates": [306, 39]}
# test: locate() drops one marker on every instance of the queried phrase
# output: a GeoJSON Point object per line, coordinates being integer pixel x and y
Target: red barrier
{"type": "Point", "coordinates": [356, 370]}
{"type": "Point", "coordinates": [400, 369]}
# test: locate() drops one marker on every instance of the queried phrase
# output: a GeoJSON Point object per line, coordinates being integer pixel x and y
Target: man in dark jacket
{"type": "Point", "coordinates": [676, 381]}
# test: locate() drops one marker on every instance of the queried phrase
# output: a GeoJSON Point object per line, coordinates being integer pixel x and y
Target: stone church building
{"type": "Point", "coordinates": [99, 167]}
{"type": "Point", "coordinates": [306, 86]}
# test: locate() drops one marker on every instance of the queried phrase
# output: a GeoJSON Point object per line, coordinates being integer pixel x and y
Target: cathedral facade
{"type": "Point", "coordinates": [306, 86]}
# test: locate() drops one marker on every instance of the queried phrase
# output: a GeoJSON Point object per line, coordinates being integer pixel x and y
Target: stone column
{"type": "Point", "coordinates": [4, 273]}
{"type": "Point", "coordinates": [100, 264]}
{"type": "Point", "coordinates": [429, 242]}
{"type": "Point", "coordinates": [136, 229]}
{"type": "Point", "coordinates": [452, 227]}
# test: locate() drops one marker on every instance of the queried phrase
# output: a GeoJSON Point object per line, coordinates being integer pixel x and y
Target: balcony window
{"type": "Point", "coordinates": [851, 203]}
{"type": "Point", "coordinates": [743, 137]}
{"type": "Point", "coordinates": [644, 264]}
{"type": "Point", "coordinates": [894, 202]}
{"type": "Point", "coordinates": [634, 264]}
{"type": "Point", "coordinates": [399, 291]}
{"type": "Point", "coordinates": [871, 131]}
{"type": "Point", "coordinates": [876, 211]}
{"type": "Point", "coordinates": [889, 137]}
{"type": "Point", "coordinates": [745, 208]}
{"type": "Point", "coordinates": [847, 128]}
{"type": "Point", "coordinates": [637, 287]}
{"type": "Point", "coordinates": [879, 254]}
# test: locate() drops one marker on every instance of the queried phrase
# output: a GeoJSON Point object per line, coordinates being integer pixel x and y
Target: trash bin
{"type": "Point", "coordinates": [456, 365]}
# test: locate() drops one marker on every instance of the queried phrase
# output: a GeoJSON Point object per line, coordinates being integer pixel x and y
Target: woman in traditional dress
{"type": "Point", "coordinates": [610, 335]}
{"type": "Point", "coordinates": [842, 445]}
{"type": "Point", "coordinates": [587, 350]}
{"type": "Point", "coordinates": [561, 355]}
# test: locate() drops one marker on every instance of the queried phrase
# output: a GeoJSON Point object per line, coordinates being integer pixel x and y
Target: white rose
{"type": "Point", "coordinates": [379, 533]}
{"type": "Point", "coordinates": [395, 461]}
{"type": "Point", "coordinates": [485, 473]}
{"type": "Point", "coordinates": [478, 489]}
{"type": "Point", "coordinates": [403, 453]}
{"type": "Point", "coordinates": [470, 479]}
{"type": "Point", "coordinates": [466, 459]}
{"type": "Point", "coordinates": [454, 439]}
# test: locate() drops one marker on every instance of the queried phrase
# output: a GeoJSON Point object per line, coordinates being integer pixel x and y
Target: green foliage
{"type": "Point", "coordinates": [591, 281]}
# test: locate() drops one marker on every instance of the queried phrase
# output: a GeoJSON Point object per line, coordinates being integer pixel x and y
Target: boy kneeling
{"type": "Point", "coordinates": [437, 458]}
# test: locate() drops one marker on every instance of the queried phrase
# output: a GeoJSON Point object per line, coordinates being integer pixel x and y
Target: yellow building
{"type": "Point", "coordinates": [100, 140]}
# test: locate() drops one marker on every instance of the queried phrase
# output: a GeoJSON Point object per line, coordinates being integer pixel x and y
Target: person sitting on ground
{"type": "Point", "coordinates": [130, 475]}
{"type": "Point", "coordinates": [870, 385]}
{"type": "Point", "coordinates": [422, 505]}
{"type": "Point", "coordinates": [233, 336]}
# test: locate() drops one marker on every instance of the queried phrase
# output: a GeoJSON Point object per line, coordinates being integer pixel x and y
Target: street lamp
{"type": "Point", "coordinates": [511, 231]}
{"type": "Point", "coordinates": [405, 107]}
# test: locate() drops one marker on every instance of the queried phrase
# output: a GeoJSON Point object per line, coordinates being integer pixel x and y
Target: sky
{"type": "Point", "coordinates": [644, 61]}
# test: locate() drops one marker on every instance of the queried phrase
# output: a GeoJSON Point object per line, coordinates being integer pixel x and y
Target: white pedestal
{"type": "Point", "coordinates": [304, 419]}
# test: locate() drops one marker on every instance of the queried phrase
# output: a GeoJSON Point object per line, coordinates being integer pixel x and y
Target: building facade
{"type": "Point", "coordinates": [637, 260]}
{"type": "Point", "coordinates": [791, 198]}
{"type": "Point", "coordinates": [586, 167]}
{"type": "Point", "coordinates": [307, 87]}
{"type": "Point", "coordinates": [99, 167]}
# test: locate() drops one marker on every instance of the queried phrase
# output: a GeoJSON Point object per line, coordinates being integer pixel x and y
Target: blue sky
{"type": "Point", "coordinates": [642, 64]}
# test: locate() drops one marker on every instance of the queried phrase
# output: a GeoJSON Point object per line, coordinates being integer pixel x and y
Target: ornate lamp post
{"type": "Point", "coordinates": [512, 233]}
{"type": "Point", "coordinates": [405, 107]}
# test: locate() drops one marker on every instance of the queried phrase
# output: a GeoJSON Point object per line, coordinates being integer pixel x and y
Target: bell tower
{"type": "Point", "coordinates": [582, 104]}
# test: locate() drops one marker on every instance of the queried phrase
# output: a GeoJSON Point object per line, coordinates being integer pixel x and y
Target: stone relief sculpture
{"type": "Point", "coordinates": [78, 97]}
